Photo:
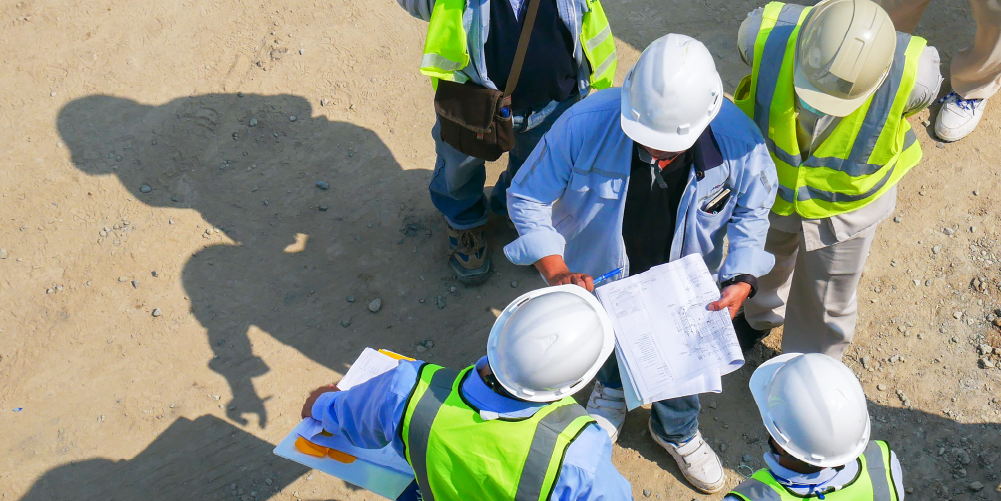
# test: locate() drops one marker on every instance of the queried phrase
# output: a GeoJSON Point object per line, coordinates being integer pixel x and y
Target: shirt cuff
{"type": "Point", "coordinates": [531, 247]}
{"type": "Point", "coordinates": [322, 402]}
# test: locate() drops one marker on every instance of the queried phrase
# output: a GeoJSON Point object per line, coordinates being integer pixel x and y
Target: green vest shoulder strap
{"type": "Point", "coordinates": [457, 455]}
{"type": "Point", "coordinates": [446, 51]}
{"type": "Point", "coordinates": [874, 482]}
{"type": "Point", "coordinates": [865, 154]}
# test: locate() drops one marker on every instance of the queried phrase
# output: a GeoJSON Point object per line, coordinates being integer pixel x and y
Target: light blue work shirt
{"type": "Point", "coordinates": [805, 484]}
{"type": "Point", "coordinates": [370, 414]}
{"type": "Point", "coordinates": [570, 195]}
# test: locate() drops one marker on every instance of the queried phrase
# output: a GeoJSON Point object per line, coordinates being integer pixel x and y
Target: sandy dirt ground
{"type": "Point", "coordinates": [173, 282]}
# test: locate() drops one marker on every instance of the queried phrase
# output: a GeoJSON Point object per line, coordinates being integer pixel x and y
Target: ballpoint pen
{"type": "Point", "coordinates": [608, 275]}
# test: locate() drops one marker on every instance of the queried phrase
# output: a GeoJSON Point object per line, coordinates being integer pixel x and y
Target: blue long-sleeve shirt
{"type": "Point", "coordinates": [369, 414]}
{"type": "Point", "coordinates": [569, 196]}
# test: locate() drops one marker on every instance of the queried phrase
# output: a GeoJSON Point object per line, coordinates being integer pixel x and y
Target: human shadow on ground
{"type": "Point", "coordinates": [941, 457]}
{"type": "Point", "coordinates": [196, 460]}
{"type": "Point", "coordinates": [282, 253]}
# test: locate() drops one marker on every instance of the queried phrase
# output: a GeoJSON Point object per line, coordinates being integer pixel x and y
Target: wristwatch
{"type": "Point", "coordinates": [747, 279]}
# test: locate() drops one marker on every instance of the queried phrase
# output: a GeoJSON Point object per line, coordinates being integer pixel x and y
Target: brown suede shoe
{"type": "Point", "coordinates": [468, 255]}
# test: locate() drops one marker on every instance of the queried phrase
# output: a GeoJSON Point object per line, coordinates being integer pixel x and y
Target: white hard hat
{"type": "Point", "coordinates": [813, 406]}
{"type": "Point", "coordinates": [549, 343]}
{"type": "Point", "coordinates": [671, 94]}
{"type": "Point", "coordinates": [843, 53]}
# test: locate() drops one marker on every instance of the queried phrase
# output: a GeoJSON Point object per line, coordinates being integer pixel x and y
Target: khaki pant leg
{"type": "Point", "coordinates": [904, 13]}
{"type": "Point", "coordinates": [976, 70]}
{"type": "Point", "coordinates": [767, 309]}
{"type": "Point", "coordinates": [823, 304]}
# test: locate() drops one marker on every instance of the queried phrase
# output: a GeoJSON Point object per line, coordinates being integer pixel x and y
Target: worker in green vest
{"type": "Point", "coordinates": [504, 429]}
{"type": "Point", "coordinates": [571, 51]}
{"type": "Point", "coordinates": [815, 412]}
{"type": "Point", "coordinates": [831, 88]}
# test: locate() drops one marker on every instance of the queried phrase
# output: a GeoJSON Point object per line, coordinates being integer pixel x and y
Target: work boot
{"type": "Point", "coordinates": [958, 117]}
{"type": "Point", "coordinates": [747, 336]}
{"type": "Point", "coordinates": [697, 461]}
{"type": "Point", "coordinates": [608, 407]}
{"type": "Point", "coordinates": [468, 255]}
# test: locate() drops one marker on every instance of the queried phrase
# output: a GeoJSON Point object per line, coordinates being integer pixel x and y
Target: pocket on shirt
{"type": "Point", "coordinates": [603, 186]}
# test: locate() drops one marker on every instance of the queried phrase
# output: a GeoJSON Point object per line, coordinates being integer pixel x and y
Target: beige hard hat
{"type": "Point", "coordinates": [843, 53]}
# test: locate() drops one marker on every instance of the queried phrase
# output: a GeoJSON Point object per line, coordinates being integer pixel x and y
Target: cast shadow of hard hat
{"type": "Point", "coordinates": [286, 252]}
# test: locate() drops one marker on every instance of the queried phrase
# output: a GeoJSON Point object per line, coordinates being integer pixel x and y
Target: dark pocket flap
{"type": "Point", "coordinates": [470, 106]}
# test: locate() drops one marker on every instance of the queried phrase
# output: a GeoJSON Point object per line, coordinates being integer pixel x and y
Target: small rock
{"type": "Point", "coordinates": [986, 363]}
{"type": "Point", "coordinates": [292, 118]}
{"type": "Point", "coordinates": [323, 102]}
{"type": "Point", "coordinates": [375, 305]}
{"type": "Point", "coordinates": [346, 322]}
{"type": "Point", "coordinates": [322, 208]}
{"type": "Point", "coordinates": [429, 343]}
{"type": "Point", "coordinates": [421, 349]}
{"type": "Point", "coordinates": [712, 404]}
{"type": "Point", "coordinates": [647, 493]}
{"type": "Point", "coordinates": [747, 458]}
{"type": "Point", "coordinates": [723, 447]}
{"type": "Point", "coordinates": [322, 185]}
{"type": "Point", "coordinates": [351, 299]}
{"type": "Point", "coordinates": [936, 249]}
{"type": "Point", "coordinates": [881, 387]}
{"type": "Point", "coordinates": [976, 486]}
{"type": "Point", "coordinates": [865, 361]}
{"type": "Point", "coordinates": [301, 52]}
{"type": "Point", "coordinates": [49, 291]}
{"type": "Point", "coordinates": [440, 302]}
{"type": "Point", "coordinates": [253, 122]}
{"type": "Point", "coordinates": [976, 193]}
{"type": "Point", "coordinates": [145, 188]}
{"type": "Point", "coordinates": [268, 481]}
{"type": "Point", "coordinates": [154, 273]}
{"type": "Point", "coordinates": [3, 253]}
{"type": "Point", "coordinates": [123, 279]}
{"type": "Point", "coordinates": [514, 284]}
{"type": "Point", "coordinates": [957, 315]}
{"type": "Point", "coordinates": [135, 284]}
{"type": "Point", "coordinates": [453, 289]}
{"type": "Point", "coordinates": [948, 231]}
{"type": "Point", "coordinates": [157, 312]}
{"type": "Point", "coordinates": [897, 219]}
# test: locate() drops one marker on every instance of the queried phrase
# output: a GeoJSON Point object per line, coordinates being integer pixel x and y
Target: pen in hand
{"type": "Point", "coordinates": [608, 275]}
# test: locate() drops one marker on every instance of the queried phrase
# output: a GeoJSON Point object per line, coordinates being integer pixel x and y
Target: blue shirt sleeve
{"type": "Point", "coordinates": [369, 414]}
{"type": "Point", "coordinates": [588, 473]}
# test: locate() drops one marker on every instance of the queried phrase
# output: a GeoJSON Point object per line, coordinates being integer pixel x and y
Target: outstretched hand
{"type": "Point", "coordinates": [307, 408]}
{"type": "Point", "coordinates": [733, 297]}
{"type": "Point", "coordinates": [555, 271]}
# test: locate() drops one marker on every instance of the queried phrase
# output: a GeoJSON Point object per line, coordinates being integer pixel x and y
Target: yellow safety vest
{"type": "Point", "coordinates": [457, 455]}
{"type": "Point", "coordinates": [867, 152]}
{"type": "Point", "coordinates": [445, 49]}
{"type": "Point", "coordinates": [874, 482]}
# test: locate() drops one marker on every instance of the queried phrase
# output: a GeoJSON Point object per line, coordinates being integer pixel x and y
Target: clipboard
{"type": "Point", "coordinates": [381, 471]}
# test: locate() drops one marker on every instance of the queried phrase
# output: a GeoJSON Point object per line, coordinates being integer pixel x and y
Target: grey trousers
{"type": "Point", "coordinates": [975, 70]}
{"type": "Point", "coordinates": [811, 292]}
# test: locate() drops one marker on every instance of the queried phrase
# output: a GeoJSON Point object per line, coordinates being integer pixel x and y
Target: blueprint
{"type": "Point", "coordinates": [668, 343]}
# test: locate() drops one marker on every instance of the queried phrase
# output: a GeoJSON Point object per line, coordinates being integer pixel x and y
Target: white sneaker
{"type": "Point", "coordinates": [697, 461]}
{"type": "Point", "coordinates": [958, 117]}
{"type": "Point", "coordinates": [608, 407]}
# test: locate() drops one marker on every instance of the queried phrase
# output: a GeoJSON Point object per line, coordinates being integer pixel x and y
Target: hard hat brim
{"type": "Point", "coordinates": [824, 102]}
{"type": "Point", "coordinates": [667, 141]}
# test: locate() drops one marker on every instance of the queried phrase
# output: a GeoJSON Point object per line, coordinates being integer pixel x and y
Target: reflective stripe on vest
{"type": "Point", "coordinates": [867, 151]}
{"type": "Point", "coordinates": [445, 50]}
{"type": "Point", "coordinates": [873, 483]}
{"type": "Point", "coordinates": [524, 455]}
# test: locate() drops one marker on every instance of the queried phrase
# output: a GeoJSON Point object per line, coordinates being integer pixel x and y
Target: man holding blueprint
{"type": "Point", "coordinates": [506, 428]}
{"type": "Point", "coordinates": [631, 178]}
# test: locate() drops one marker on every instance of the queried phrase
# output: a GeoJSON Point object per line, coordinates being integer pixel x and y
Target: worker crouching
{"type": "Point", "coordinates": [505, 428]}
{"type": "Point", "coordinates": [815, 412]}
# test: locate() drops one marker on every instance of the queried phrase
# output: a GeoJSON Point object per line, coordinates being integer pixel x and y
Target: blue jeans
{"type": "Point", "coordinates": [675, 420]}
{"type": "Point", "coordinates": [457, 184]}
